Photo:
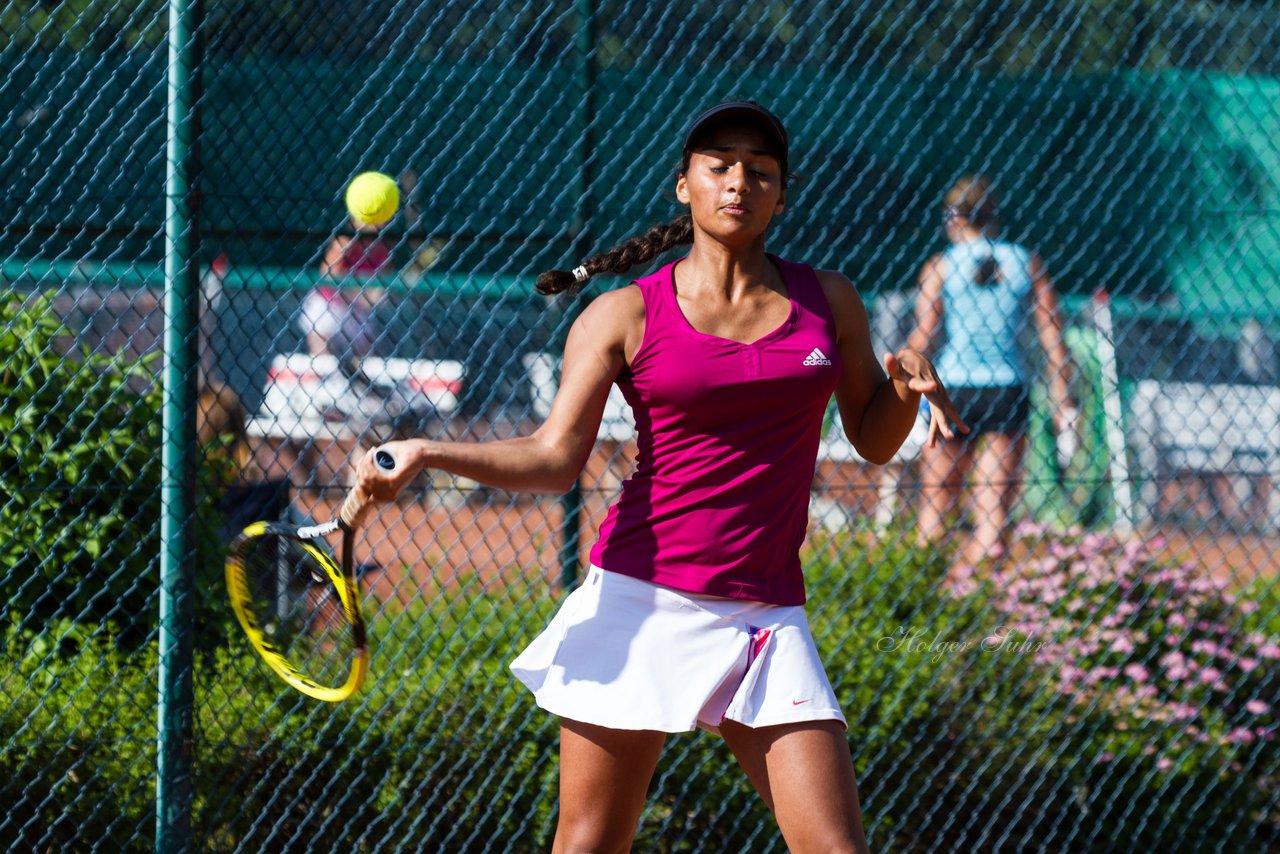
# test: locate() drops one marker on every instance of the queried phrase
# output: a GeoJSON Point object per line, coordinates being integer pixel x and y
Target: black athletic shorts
{"type": "Point", "coordinates": [991, 409]}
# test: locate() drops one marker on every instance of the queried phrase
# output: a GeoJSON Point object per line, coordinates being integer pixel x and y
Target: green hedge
{"type": "Point", "coordinates": [80, 482]}
{"type": "Point", "coordinates": [958, 747]}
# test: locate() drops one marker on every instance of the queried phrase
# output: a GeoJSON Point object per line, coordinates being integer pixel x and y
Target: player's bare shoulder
{"type": "Point", "coordinates": [842, 296]}
{"type": "Point", "coordinates": [615, 320]}
{"type": "Point", "coordinates": [835, 284]}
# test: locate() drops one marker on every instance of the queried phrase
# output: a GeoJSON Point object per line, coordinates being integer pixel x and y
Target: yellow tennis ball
{"type": "Point", "coordinates": [372, 198]}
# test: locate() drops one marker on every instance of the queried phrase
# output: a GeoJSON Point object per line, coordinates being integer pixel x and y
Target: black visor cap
{"type": "Point", "coordinates": [745, 112]}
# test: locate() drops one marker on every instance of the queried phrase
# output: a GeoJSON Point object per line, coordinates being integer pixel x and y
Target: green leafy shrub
{"type": "Point", "coordinates": [78, 729]}
{"type": "Point", "coordinates": [962, 739]}
{"type": "Point", "coordinates": [79, 471]}
{"type": "Point", "coordinates": [80, 480]}
{"type": "Point", "coordinates": [927, 694]}
{"type": "Point", "coordinates": [442, 749]}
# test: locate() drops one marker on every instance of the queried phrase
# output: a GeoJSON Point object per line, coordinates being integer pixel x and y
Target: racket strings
{"type": "Point", "coordinates": [298, 608]}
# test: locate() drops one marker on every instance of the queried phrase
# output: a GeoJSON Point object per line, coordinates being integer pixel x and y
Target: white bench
{"type": "Point", "coordinates": [1219, 430]}
{"type": "Point", "coordinates": [307, 397]}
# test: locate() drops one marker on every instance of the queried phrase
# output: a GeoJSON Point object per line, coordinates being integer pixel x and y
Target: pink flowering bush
{"type": "Point", "coordinates": [1165, 649]}
{"type": "Point", "coordinates": [1032, 710]}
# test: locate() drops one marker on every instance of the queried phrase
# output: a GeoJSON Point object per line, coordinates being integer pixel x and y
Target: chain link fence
{"type": "Point", "coordinates": [1105, 678]}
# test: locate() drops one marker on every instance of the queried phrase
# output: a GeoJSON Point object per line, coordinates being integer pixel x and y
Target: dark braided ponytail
{"type": "Point", "coordinates": [621, 258]}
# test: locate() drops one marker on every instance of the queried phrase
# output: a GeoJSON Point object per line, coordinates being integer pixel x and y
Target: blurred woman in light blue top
{"type": "Point", "coordinates": [981, 296]}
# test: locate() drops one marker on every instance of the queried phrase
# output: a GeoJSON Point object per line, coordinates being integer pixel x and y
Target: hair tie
{"type": "Point", "coordinates": [581, 274]}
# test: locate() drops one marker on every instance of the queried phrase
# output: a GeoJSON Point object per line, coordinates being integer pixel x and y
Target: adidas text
{"type": "Point", "coordinates": [817, 357]}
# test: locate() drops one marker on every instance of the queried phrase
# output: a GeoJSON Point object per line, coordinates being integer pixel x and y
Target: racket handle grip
{"type": "Point", "coordinates": [358, 503]}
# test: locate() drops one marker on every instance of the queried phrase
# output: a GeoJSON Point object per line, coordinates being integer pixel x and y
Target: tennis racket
{"type": "Point", "coordinates": [300, 609]}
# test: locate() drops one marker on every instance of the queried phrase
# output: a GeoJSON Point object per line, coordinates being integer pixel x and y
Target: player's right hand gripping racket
{"type": "Point", "coordinates": [300, 610]}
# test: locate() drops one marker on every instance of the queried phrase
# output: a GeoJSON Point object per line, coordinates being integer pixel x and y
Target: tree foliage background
{"type": "Point", "coordinates": [1056, 36]}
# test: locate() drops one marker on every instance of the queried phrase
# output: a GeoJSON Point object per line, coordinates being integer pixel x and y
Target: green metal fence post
{"type": "Point", "coordinates": [571, 502]}
{"type": "Point", "coordinates": [177, 528]}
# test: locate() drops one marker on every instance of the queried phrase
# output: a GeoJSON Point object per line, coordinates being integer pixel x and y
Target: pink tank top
{"type": "Point", "coordinates": [727, 437]}
{"type": "Point", "coordinates": [365, 257]}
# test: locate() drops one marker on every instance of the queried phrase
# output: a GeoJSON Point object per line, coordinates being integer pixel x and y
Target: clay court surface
{"type": "Point", "coordinates": [435, 537]}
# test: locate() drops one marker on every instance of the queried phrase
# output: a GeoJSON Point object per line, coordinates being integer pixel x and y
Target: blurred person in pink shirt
{"type": "Point", "coordinates": [337, 317]}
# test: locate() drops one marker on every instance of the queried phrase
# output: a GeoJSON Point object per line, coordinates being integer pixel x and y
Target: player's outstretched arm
{"type": "Point", "coordinates": [875, 412]}
{"type": "Point", "coordinates": [878, 402]}
{"type": "Point", "coordinates": [551, 459]}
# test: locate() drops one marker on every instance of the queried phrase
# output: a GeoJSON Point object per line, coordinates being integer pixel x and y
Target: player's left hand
{"type": "Point", "coordinates": [916, 372]}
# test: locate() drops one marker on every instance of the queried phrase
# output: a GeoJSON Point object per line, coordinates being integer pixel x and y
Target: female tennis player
{"type": "Point", "coordinates": [981, 295]}
{"type": "Point", "coordinates": [692, 612]}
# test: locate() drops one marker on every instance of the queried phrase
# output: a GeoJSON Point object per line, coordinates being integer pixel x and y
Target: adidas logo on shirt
{"type": "Point", "coordinates": [817, 357]}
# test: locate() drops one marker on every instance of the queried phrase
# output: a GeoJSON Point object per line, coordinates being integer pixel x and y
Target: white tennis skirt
{"type": "Point", "coordinates": [627, 654]}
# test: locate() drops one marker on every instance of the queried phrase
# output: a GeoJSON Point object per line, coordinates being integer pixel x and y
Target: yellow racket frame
{"type": "Point", "coordinates": [238, 585]}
